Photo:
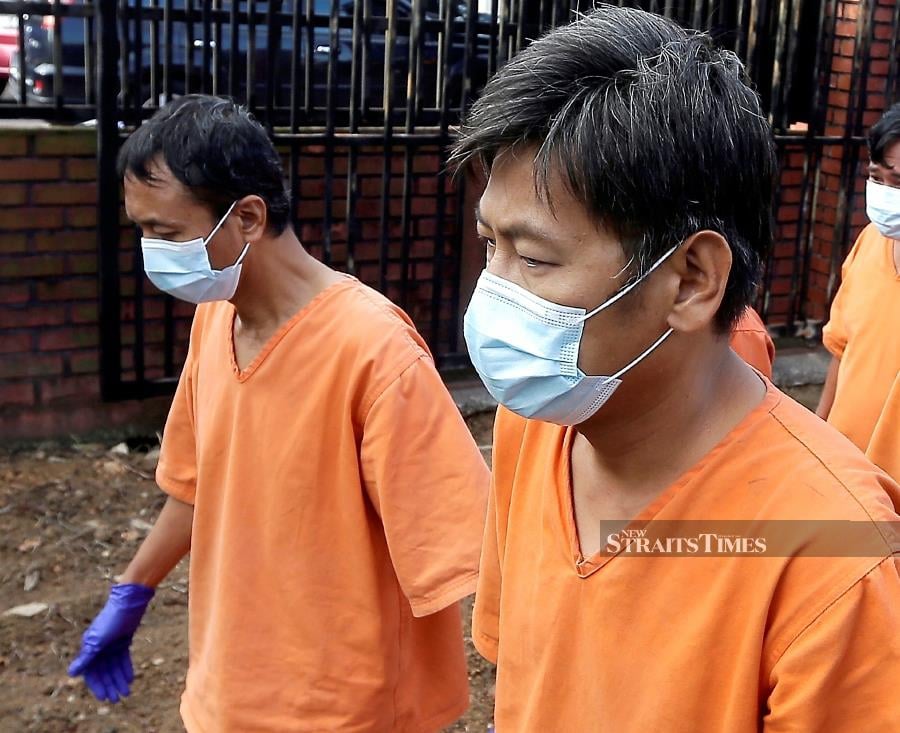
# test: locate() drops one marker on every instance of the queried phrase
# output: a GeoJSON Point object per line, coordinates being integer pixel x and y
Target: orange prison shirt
{"type": "Point", "coordinates": [339, 505]}
{"type": "Point", "coordinates": [640, 644]}
{"type": "Point", "coordinates": [751, 341]}
{"type": "Point", "coordinates": [864, 333]}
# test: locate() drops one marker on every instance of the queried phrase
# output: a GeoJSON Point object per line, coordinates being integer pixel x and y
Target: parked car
{"type": "Point", "coordinates": [189, 48]}
{"type": "Point", "coordinates": [9, 42]}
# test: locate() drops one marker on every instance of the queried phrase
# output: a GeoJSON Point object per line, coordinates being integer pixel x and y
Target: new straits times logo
{"type": "Point", "coordinates": [637, 542]}
{"type": "Point", "coordinates": [747, 538]}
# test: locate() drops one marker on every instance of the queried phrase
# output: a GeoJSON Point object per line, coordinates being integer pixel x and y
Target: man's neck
{"type": "Point", "coordinates": [280, 280]}
{"type": "Point", "coordinates": [664, 437]}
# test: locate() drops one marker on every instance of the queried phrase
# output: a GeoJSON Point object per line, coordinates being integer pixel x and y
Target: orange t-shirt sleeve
{"type": "Point", "coordinates": [841, 672]}
{"type": "Point", "coordinates": [834, 333]}
{"type": "Point", "coordinates": [509, 434]}
{"type": "Point", "coordinates": [176, 472]}
{"type": "Point", "coordinates": [428, 483]}
{"type": "Point", "coordinates": [486, 613]}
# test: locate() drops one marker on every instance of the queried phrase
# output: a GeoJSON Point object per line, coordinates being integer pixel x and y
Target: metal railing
{"type": "Point", "coordinates": [361, 97]}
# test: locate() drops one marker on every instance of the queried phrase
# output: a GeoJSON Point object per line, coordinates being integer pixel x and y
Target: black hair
{"type": "Point", "coordinates": [653, 129]}
{"type": "Point", "coordinates": [216, 149]}
{"type": "Point", "coordinates": [883, 133]}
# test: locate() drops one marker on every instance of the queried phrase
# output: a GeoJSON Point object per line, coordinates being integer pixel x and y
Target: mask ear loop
{"type": "Point", "coordinates": [219, 225]}
{"type": "Point", "coordinates": [623, 293]}
{"type": "Point", "coordinates": [643, 356]}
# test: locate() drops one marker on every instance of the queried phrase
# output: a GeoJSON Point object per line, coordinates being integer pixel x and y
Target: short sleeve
{"type": "Point", "coordinates": [841, 672]}
{"type": "Point", "coordinates": [834, 333]}
{"type": "Point", "coordinates": [428, 483]}
{"type": "Point", "coordinates": [509, 436]}
{"type": "Point", "coordinates": [176, 472]}
{"type": "Point", "coordinates": [486, 613]}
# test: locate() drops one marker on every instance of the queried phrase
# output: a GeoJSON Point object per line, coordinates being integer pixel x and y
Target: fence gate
{"type": "Point", "coordinates": [361, 96]}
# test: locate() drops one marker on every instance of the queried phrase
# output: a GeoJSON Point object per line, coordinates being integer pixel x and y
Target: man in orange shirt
{"type": "Point", "coordinates": [626, 214]}
{"type": "Point", "coordinates": [329, 491]}
{"type": "Point", "coordinates": [861, 397]}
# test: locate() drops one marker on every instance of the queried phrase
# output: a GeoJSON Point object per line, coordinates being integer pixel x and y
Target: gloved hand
{"type": "Point", "coordinates": [104, 658]}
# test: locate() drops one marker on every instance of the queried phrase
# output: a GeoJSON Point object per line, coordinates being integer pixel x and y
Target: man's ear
{"type": "Point", "coordinates": [252, 213]}
{"type": "Point", "coordinates": [703, 263]}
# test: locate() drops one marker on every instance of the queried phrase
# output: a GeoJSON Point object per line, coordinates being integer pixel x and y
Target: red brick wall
{"type": "Point", "coordinates": [850, 100]}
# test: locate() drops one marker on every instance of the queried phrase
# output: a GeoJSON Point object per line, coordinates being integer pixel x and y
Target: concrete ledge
{"type": "Point", "coordinates": [800, 367]}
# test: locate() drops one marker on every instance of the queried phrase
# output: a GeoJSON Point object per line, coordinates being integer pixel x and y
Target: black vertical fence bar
{"type": "Point", "coordinates": [892, 88]}
{"type": "Point", "coordinates": [331, 93]}
{"type": "Point", "coordinates": [189, 49]}
{"type": "Point", "coordinates": [108, 200]}
{"type": "Point", "coordinates": [20, 48]}
{"type": "Point", "coordinates": [234, 53]}
{"type": "Point", "coordinates": [309, 48]}
{"type": "Point", "coordinates": [206, 83]}
{"type": "Point", "coordinates": [167, 50]}
{"type": "Point", "coordinates": [217, 50]}
{"type": "Point", "coordinates": [438, 275]}
{"type": "Point", "coordinates": [250, 68]}
{"type": "Point", "coordinates": [154, 54]}
{"type": "Point", "coordinates": [412, 89]}
{"type": "Point", "coordinates": [90, 61]}
{"type": "Point", "coordinates": [387, 137]}
{"type": "Point", "coordinates": [273, 48]}
{"type": "Point", "coordinates": [134, 61]}
{"type": "Point", "coordinates": [352, 181]}
{"type": "Point", "coordinates": [57, 59]}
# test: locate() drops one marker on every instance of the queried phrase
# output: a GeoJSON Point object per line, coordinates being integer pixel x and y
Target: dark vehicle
{"type": "Point", "coordinates": [189, 50]}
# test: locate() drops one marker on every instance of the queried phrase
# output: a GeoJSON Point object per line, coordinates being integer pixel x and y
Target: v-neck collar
{"type": "Point", "coordinates": [242, 375]}
{"type": "Point", "coordinates": [586, 566]}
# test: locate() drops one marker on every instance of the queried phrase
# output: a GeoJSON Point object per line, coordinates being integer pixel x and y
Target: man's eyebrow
{"type": "Point", "coordinates": [519, 230]}
{"type": "Point", "coordinates": [152, 222]}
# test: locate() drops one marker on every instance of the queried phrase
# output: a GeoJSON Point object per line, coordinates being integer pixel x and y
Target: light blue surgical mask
{"type": "Point", "coordinates": [525, 349]}
{"type": "Point", "coordinates": [182, 269]}
{"type": "Point", "coordinates": [883, 208]}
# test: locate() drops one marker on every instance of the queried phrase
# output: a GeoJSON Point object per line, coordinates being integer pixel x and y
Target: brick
{"type": "Point", "coordinates": [838, 99]}
{"type": "Point", "coordinates": [75, 142]}
{"type": "Point", "coordinates": [880, 49]}
{"type": "Point", "coordinates": [81, 264]}
{"type": "Point", "coordinates": [30, 218]}
{"type": "Point", "coordinates": [29, 316]}
{"type": "Point", "coordinates": [841, 65]}
{"type": "Point", "coordinates": [845, 28]}
{"type": "Point", "coordinates": [84, 362]}
{"type": "Point", "coordinates": [13, 243]}
{"type": "Point", "coordinates": [16, 394]}
{"type": "Point", "coordinates": [14, 144]}
{"type": "Point", "coordinates": [65, 241]}
{"type": "Point", "coordinates": [81, 216]}
{"type": "Point", "coordinates": [13, 194]}
{"type": "Point", "coordinates": [68, 389]}
{"type": "Point", "coordinates": [15, 293]}
{"type": "Point", "coordinates": [879, 68]}
{"type": "Point", "coordinates": [71, 337]}
{"type": "Point", "coordinates": [67, 289]}
{"type": "Point", "coordinates": [85, 312]}
{"type": "Point", "coordinates": [81, 169]}
{"type": "Point", "coordinates": [846, 47]}
{"type": "Point", "coordinates": [30, 365]}
{"type": "Point", "coordinates": [884, 32]}
{"type": "Point", "coordinates": [21, 267]}
{"type": "Point", "coordinates": [15, 342]}
{"type": "Point", "coordinates": [29, 169]}
{"type": "Point", "coordinates": [64, 193]}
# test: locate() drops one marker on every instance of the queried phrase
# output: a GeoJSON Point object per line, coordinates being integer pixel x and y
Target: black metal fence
{"type": "Point", "coordinates": [361, 97]}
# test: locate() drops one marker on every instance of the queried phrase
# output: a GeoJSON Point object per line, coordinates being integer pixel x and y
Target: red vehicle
{"type": "Point", "coordinates": [9, 42]}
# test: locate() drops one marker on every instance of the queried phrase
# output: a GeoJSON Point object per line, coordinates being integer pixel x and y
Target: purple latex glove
{"type": "Point", "coordinates": [104, 659]}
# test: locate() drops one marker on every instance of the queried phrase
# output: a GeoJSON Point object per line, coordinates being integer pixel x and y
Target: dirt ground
{"type": "Point", "coordinates": [71, 516]}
